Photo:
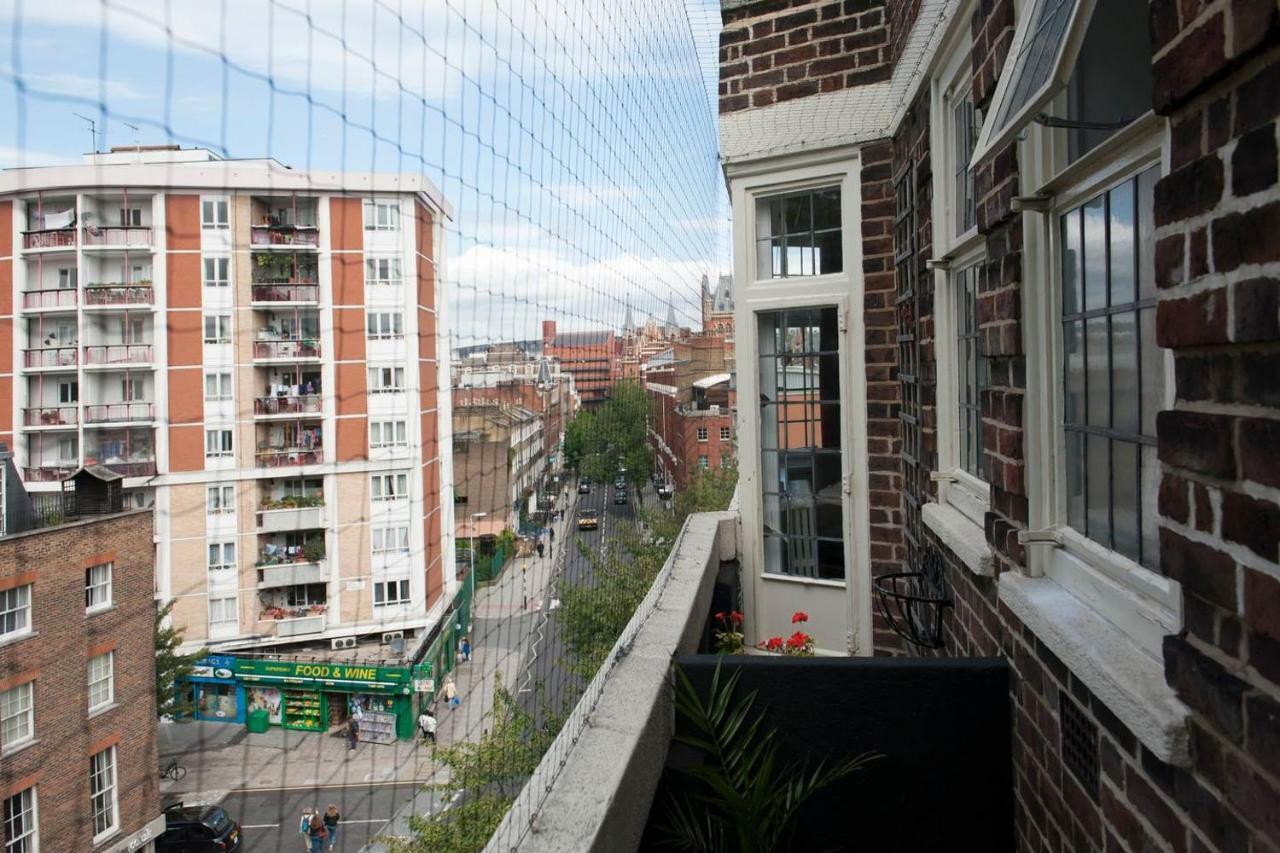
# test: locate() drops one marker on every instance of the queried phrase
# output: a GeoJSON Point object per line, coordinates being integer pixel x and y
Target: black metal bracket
{"type": "Point", "coordinates": [913, 602]}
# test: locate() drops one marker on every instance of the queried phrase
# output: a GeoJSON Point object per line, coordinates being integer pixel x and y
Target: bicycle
{"type": "Point", "coordinates": [173, 770]}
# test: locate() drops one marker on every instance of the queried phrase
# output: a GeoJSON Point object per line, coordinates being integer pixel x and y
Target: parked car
{"type": "Point", "coordinates": [198, 829]}
{"type": "Point", "coordinates": [588, 519]}
{"type": "Point", "coordinates": [620, 496]}
{"type": "Point", "coordinates": [664, 491]}
{"type": "Point", "coordinates": [584, 488]}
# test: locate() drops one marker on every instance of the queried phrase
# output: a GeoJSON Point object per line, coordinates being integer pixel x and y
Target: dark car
{"type": "Point", "coordinates": [584, 488]}
{"type": "Point", "coordinates": [197, 829]}
{"type": "Point", "coordinates": [664, 492]}
{"type": "Point", "coordinates": [620, 496]}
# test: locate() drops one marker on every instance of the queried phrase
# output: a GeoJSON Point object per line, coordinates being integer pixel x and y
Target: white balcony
{"type": "Point", "coordinates": [301, 626]}
{"type": "Point", "coordinates": [290, 519]}
{"type": "Point", "coordinates": [291, 574]}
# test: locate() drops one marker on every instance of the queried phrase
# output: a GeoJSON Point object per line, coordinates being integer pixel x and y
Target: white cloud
{"type": "Point", "coordinates": [13, 157]}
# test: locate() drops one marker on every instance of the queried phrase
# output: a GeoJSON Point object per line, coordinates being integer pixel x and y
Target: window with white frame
{"type": "Point", "coordinates": [67, 278]}
{"type": "Point", "coordinates": [131, 217]}
{"type": "Point", "coordinates": [220, 499]}
{"type": "Point", "coordinates": [388, 593]}
{"type": "Point", "coordinates": [386, 380]}
{"type": "Point", "coordinates": [382, 272]}
{"type": "Point", "coordinates": [102, 689]}
{"type": "Point", "coordinates": [1112, 370]}
{"type": "Point", "coordinates": [704, 462]}
{"type": "Point", "coordinates": [68, 448]}
{"type": "Point", "coordinates": [17, 715]}
{"type": "Point", "coordinates": [217, 272]}
{"type": "Point", "coordinates": [217, 329]}
{"type": "Point", "coordinates": [222, 612]}
{"type": "Point", "coordinates": [133, 389]}
{"type": "Point", "coordinates": [972, 372]}
{"type": "Point", "coordinates": [390, 540]}
{"type": "Point", "coordinates": [97, 586]}
{"type": "Point", "coordinates": [800, 442]}
{"type": "Point", "coordinates": [21, 833]}
{"type": "Point", "coordinates": [15, 610]}
{"type": "Point", "coordinates": [213, 214]}
{"type": "Point", "coordinates": [390, 487]}
{"type": "Point", "coordinates": [102, 793]}
{"type": "Point", "coordinates": [724, 433]}
{"type": "Point", "coordinates": [222, 556]}
{"type": "Point", "coordinates": [217, 386]}
{"type": "Point", "coordinates": [218, 443]}
{"type": "Point", "coordinates": [381, 215]}
{"type": "Point", "coordinates": [702, 434]}
{"type": "Point", "coordinates": [68, 391]}
{"type": "Point", "coordinates": [799, 234]}
{"type": "Point", "coordinates": [963, 137]}
{"type": "Point", "coordinates": [388, 434]}
{"type": "Point", "coordinates": [384, 325]}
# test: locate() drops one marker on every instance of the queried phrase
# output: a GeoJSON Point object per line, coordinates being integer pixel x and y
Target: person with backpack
{"type": "Point", "coordinates": [304, 827]}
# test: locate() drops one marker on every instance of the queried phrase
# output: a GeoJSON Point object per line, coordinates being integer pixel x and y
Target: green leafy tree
{"type": "Point", "coordinates": [485, 776]}
{"type": "Point", "coordinates": [614, 435]}
{"type": "Point", "coordinates": [171, 667]}
{"type": "Point", "coordinates": [594, 611]}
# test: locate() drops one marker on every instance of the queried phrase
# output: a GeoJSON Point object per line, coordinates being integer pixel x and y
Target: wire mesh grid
{"type": "Point", "coordinates": [303, 288]}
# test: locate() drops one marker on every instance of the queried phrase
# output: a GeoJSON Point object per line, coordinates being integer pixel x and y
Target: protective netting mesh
{"type": "Point", "coordinates": [498, 206]}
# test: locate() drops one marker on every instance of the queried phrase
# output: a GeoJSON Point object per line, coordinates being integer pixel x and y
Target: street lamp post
{"type": "Point", "coordinates": [471, 575]}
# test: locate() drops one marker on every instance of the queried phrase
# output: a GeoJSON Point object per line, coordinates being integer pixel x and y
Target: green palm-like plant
{"type": "Point", "coordinates": [741, 799]}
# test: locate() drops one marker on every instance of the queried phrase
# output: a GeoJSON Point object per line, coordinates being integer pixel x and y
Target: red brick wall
{"type": "Point", "coordinates": [57, 656]}
{"type": "Point", "coordinates": [777, 50]}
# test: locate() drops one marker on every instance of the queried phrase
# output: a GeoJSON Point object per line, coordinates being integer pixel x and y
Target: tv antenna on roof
{"type": "Point", "coordinates": [93, 130]}
{"type": "Point", "coordinates": [137, 143]}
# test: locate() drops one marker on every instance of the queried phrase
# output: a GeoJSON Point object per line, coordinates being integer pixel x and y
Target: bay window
{"type": "Point", "coordinates": [798, 234]}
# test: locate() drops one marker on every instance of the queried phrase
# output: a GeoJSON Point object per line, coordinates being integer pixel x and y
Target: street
{"type": "Point", "coordinates": [270, 818]}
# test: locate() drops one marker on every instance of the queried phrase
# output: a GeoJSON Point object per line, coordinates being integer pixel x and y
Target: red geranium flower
{"type": "Point", "coordinates": [735, 617]}
{"type": "Point", "coordinates": [799, 616]}
{"type": "Point", "coordinates": [773, 644]}
{"type": "Point", "coordinates": [720, 616]}
{"type": "Point", "coordinates": [798, 640]}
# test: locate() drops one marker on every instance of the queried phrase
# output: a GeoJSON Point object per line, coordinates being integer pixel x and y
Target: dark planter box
{"type": "Point", "coordinates": [943, 727]}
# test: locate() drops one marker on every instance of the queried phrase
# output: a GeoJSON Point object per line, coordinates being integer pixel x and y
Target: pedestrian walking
{"type": "Point", "coordinates": [304, 827]}
{"type": "Point", "coordinates": [541, 548]}
{"type": "Point", "coordinates": [353, 734]}
{"type": "Point", "coordinates": [451, 693]}
{"type": "Point", "coordinates": [317, 833]}
{"type": "Point", "coordinates": [551, 534]}
{"type": "Point", "coordinates": [331, 818]}
{"type": "Point", "coordinates": [427, 725]}
{"type": "Point", "coordinates": [466, 648]}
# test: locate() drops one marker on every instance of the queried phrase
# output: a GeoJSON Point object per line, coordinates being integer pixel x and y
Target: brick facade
{"type": "Point", "coordinates": [56, 656]}
{"type": "Point", "coordinates": [778, 50]}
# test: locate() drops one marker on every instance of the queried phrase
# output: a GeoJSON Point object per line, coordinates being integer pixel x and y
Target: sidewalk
{"type": "Point", "coordinates": [222, 757]}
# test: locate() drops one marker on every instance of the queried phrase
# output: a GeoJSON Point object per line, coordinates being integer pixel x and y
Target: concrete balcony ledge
{"type": "Point", "coordinates": [598, 799]}
{"type": "Point", "coordinates": [291, 574]}
{"type": "Point", "coordinates": [289, 519]}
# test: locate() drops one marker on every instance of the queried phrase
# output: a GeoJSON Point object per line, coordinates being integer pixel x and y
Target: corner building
{"type": "Point", "coordinates": [1005, 289]}
{"type": "Point", "coordinates": [259, 352]}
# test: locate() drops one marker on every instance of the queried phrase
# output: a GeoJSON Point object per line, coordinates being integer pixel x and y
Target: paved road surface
{"type": "Point", "coordinates": [270, 818]}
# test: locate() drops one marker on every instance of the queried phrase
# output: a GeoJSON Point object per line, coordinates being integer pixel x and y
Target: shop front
{"type": "Point", "coordinates": [318, 696]}
{"type": "Point", "coordinates": [216, 694]}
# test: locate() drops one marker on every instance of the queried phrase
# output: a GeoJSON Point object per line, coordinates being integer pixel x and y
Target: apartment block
{"type": "Point", "coordinates": [592, 358]}
{"type": "Point", "coordinates": [77, 672]}
{"type": "Point", "coordinates": [1005, 290]}
{"type": "Point", "coordinates": [259, 353]}
{"type": "Point", "coordinates": [689, 384]}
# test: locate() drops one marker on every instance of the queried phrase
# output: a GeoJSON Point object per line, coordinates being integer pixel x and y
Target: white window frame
{"type": "Point", "coordinates": [68, 278]}
{"type": "Point", "coordinates": [225, 559]}
{"type": "Point", "coordinates": [109, 777]}
{"type": "Point", "coordinates": [390, 540]}
{"type": "Point", "coordinates": [392, 486]}
{"type": "Point", "coordinates": [221, 601]}
{"type": "Point", "coordinates": [726, 434]}
{"type": "Point", "coordinates": [383, 588]}
{"type": "Point", "coordinates": [215, 213]}
{"type": "Point", "coordinates": [216, 271]}
{"type": "Point", "coordinates": [373, 271]}
{"type": "Point", "coordinates": [846, 604]}
{"type": "Point", "coordinates": [222, 387]}
{"type": "Point", "coordinates": [220, 499]}
{"type": "Point", "coordinates": [103, 680]}
{"type": "Point", "coordinates": [29, 841]}
{"type": "Point", "coordinates": [222, 329]}
{"type": "Point", "coordinates": [18, 703]}
{"type": "Point", "coordinates": [97, 590]}
{"type": "Point", "coordinates": [219, 443]}
{"type": "Point", "coordinates": [381, 214]}
{"type": "Point", "coordinates": [704, 434]}
{"type": "Point", "coordinates": [384, 325]}
{"type": "Point", "coordinates": [379, 375]}
{"type": "Point", "coordinates": [397, 429]}
{"type": "Point", "coordinates": [17, 600]}
{"type": "Point", "coordinates": [68, 448]}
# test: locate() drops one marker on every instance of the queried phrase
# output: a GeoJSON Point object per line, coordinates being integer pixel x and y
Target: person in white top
{"type": "Point", "coordinates": [427, 725]}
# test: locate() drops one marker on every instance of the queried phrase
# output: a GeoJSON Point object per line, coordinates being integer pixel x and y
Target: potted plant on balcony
{"type": "Point", "coordinates": [313, 551]}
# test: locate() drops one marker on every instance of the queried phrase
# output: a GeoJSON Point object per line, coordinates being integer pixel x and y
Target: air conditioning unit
{"type": "Point", "coordinates": [343, 643]}
{"type": "Point", "coordinates": [714, 409]}
{"type": "Point", "coordinates": [391, 636]}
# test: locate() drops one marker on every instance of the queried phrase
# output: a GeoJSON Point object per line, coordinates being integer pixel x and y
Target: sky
{"type": "Point", "coordinates": [576, 139]}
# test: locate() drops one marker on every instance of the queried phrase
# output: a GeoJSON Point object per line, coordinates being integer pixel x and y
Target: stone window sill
{"type": "Point", "coordinates": [102, 709]}
{"type": "Point", "coordinates": [10, 751]}
{"type": "Point", "coordinates": [965, 539]}
{"type": "Point", "coordinates": [18, 637]}
{"type": "Point", "coordinates": [1129, 682]}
